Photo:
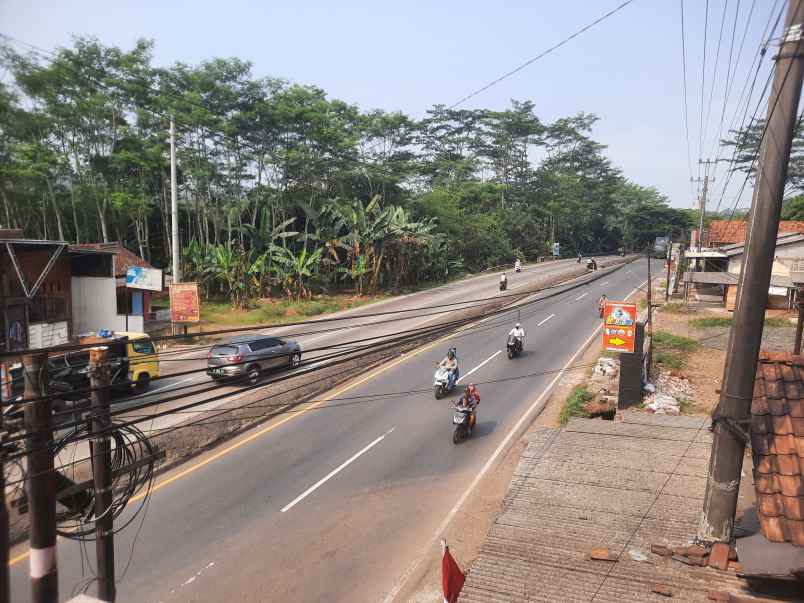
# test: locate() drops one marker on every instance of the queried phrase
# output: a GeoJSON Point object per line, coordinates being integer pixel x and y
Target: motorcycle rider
{"type": "Point", "coordinates": [471, 400]}
{"type": "Point", "coordinates": [601, 304]}
{"type": "Point", "coordinates": [450, 362]}
{"type": "Point", "coordinates": [518, 265]}
{"type": "Point", "coordinates": [503, 281]}
{"type": "Point", "coordinates": [518, 332]}
{"type": "Point", "coordinates": [580, 257]}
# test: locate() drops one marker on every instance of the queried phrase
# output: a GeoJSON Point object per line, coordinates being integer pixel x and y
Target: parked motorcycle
{"type": "Point", "coordinates": [441, 384]}
{"type": "Point", "coordinates": [461, 419]}
{"type": "Point", "coordinates": [514, 346]}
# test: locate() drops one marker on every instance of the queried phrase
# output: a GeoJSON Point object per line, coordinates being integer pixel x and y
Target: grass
{"type": "Point", "coordinates": [573, 405]}
{"type": "Point", "coordinates": [675, 308]}
{"type": "Point", "coordinates": [725, 321]}
{"type": "Point", "coordinates": [685, 406]}
{"type": "Point", "coordinates": [711, 321]}
{"type": "Point", "coordinates": [671, 350]}
{"type": "Point", "coordinates": [271, 311]}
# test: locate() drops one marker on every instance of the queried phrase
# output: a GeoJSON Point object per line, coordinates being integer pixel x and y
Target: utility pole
{"type": "Point", "coordinates": [5, 592]}
{"type": "Point", "coordinates": [101, 453]}
{"type": "Point", "coordinates": [706, 180]}
{"type": "Point", "coordinates": [669, 257]}
{"type": "Point", "coordinates": [41, 482]}
{"type": "Point", "coordinates": [174, 206]}
{"type": "Point", "coordinates": [649, 324]}
{"type": "Point", "coordinates": [800, 321]}
{"type": "Point", "coordinates": [728, 446]}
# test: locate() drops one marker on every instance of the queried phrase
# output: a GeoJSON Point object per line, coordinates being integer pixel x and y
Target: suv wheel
{"type": "Point", "coordinates": [253, 374]}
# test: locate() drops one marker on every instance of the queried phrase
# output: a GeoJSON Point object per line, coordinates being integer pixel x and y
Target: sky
{"type": "Point", "coordinates": [411, 55]}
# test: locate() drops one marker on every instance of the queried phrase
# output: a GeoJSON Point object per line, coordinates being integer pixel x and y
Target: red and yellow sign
{"type": "Point", "coordinates": [619, 327]}
{"type": "Point", "coordinates": [184, 302]}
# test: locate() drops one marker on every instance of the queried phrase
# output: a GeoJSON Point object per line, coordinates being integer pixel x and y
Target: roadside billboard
{"type": "Point", "coordinates": [185, 305]}
{"type": "Point", "coordinates": [139, 277]}
{"type": "Point", "coordinates": [619, 327]}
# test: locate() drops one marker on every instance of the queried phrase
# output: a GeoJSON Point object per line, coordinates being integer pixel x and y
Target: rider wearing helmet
{"type": "Point", "coordinates": [471, 399]}
{"type": "Point", "coordinates": [451, 364]}
{"type": "Point", "coordinates": [518, 332]}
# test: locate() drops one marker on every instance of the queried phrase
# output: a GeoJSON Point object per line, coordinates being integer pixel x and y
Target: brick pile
{"type": "Point", "coordinates": [777, 442]}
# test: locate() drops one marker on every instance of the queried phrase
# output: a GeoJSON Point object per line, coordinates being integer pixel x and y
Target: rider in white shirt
{"type": "Point", "coordinates": [519, 332]}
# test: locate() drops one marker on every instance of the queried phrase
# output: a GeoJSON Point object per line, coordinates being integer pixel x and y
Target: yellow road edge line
{"type": "Point", "coordinates": [295, 413]}
{"type": "Point", "coordinates": [24, 555]}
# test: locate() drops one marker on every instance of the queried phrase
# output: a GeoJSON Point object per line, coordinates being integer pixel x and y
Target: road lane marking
{"type": "Point", "coordinates": [545, 320]}
{"type": "Point", "coordinates": [604, 283]}
{"type": "Point", "coordinates": [334, 472]}
{"type": "Point", "coordinates": [411, 569]}
{"type": "Point", "coordinates": [159, 389]}
{"type": "Point", "coordinates": [582, 296]}
{"type": "Point", "coordinates": [293, 413]}
{"type": "Point", "coordinates": [479, 365]}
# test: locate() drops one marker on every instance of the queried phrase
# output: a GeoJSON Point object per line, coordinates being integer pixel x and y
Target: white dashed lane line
{"type": "Point", "coordinates": [582, 296]}
{"type": "Point", "coordinates": [545, 320]}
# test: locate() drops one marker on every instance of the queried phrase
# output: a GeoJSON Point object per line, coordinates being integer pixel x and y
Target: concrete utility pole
{"type": "Point", "coordinates": [101, 452]}
{"type": "Point", "coordinates": [703, 198]}
{"type": "Point", "coordinates": [728, 447]}
{"type": "Point", "coordinates": [41, 482]}
{"type": "Point", "coordinates": [174, 206]}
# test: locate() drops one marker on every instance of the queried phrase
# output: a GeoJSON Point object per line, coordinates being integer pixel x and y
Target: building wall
{"type": "Point", "coordinates": [95, 307]}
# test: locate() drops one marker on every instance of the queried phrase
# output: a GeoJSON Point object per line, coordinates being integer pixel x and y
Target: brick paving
{"type": "Point", "coordinates": [622, 485]}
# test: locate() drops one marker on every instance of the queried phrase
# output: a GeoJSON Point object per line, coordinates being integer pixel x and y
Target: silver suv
{"type": "Point", "coordinates": [250, 356]}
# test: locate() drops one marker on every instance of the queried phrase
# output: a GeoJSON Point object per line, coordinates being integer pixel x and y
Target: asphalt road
{"type": "Point", "coordinates": [336, 503]}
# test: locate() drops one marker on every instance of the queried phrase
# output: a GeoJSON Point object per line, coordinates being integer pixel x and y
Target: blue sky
{"type": "Point", "coordinates": [411, 55]}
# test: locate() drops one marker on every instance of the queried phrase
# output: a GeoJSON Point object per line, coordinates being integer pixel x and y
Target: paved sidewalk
{"type": "Point", "coordinates": [623, 485]}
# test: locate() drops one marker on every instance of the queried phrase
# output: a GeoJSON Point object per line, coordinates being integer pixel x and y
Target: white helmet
{"type": "Point", "coordinates": [518, 326]}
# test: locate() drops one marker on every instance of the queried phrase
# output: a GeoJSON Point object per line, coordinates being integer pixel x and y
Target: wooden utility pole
{"type": "Point", "coordinates": [41, 482]}
{"type": "Point", "coordinates": [101, 452]}
{"type": "Point", "coordinates": [731, 427]}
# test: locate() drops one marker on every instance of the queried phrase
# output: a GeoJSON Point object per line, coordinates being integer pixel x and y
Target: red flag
{"type": "Point", "coordinates": [452, 577]}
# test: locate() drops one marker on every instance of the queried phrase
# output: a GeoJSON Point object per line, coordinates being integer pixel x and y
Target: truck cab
{"type": "Point", "coordinates": [143, 359]}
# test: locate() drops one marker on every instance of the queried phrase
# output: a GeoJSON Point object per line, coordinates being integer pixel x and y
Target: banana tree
{"type": "Point", "coordinates": [295, 270]}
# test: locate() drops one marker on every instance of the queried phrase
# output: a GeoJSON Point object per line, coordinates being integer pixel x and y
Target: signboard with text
{"type": "Point", "coordinates": [184, 302]}
{"type": "Point", "coordinates": [138, 277]}
{"type": "Point", "coordinates": [619, 327]}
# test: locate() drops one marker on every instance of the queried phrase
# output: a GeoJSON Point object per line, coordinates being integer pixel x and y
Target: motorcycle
{"type": "Point", "coordinates": [514, 346]}
{"type": "Point", "coordinates": [591, 264]}
{"type": "Point", "coordinates": [503, 285]}
{"type": "Point", "coordinates": [461, 419]}
{"type": "Point", "coordinates": [517, 267]}
{"type": "Point", "coordinates": [441, 384]}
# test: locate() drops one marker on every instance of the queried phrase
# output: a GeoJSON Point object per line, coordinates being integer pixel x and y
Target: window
{"type": "Point", "coordinates": [260, 344]}
{"type": "Point", "coordinates": [142, 346]}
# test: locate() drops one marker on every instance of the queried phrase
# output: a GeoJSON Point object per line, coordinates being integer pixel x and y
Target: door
{"type": "Point", "coordinates": [16, 333]}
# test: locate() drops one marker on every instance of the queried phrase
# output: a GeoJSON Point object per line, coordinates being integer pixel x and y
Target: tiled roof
{"type": "Point", "coordinates": [123, 258]}
{"type": "Point", "coordinates": [721, 232]}
{"type": "Point", "coordinates": [777, 443]}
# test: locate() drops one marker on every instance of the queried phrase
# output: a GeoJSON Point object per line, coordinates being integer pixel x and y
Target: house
{"type": "Point", "coordinates": [714, 272]}
{"type": "Point", "coordinates": [728, 232]}
{"type": "Point", "coordinates": [131, 302]}
{"type": "Point", "coordinates": [51, 292]}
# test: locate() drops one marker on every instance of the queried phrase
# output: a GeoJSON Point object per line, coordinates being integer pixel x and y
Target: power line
{"type": "Point", "coordinates": [714, 72]}
{"type": "Point", "coordinates": [540, 55]}
{"type": "Point", "coordinates": [703, 85]}
{"type": "Point", "coordinates": [684, 80]}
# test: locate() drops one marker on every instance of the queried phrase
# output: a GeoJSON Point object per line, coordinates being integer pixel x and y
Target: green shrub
{"type": "Point", "coordinates": [573, 406]}
{"type": "Point", "coordinates": [675, 308]}
{"type": "Point", "coordinates": [670, 341]}
{"type": "Point", "coordinates": [668, 359]}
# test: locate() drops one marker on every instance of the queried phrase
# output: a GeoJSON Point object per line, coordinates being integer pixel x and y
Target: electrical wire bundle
{"type": "Point", "coordinates": [130, 447]}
